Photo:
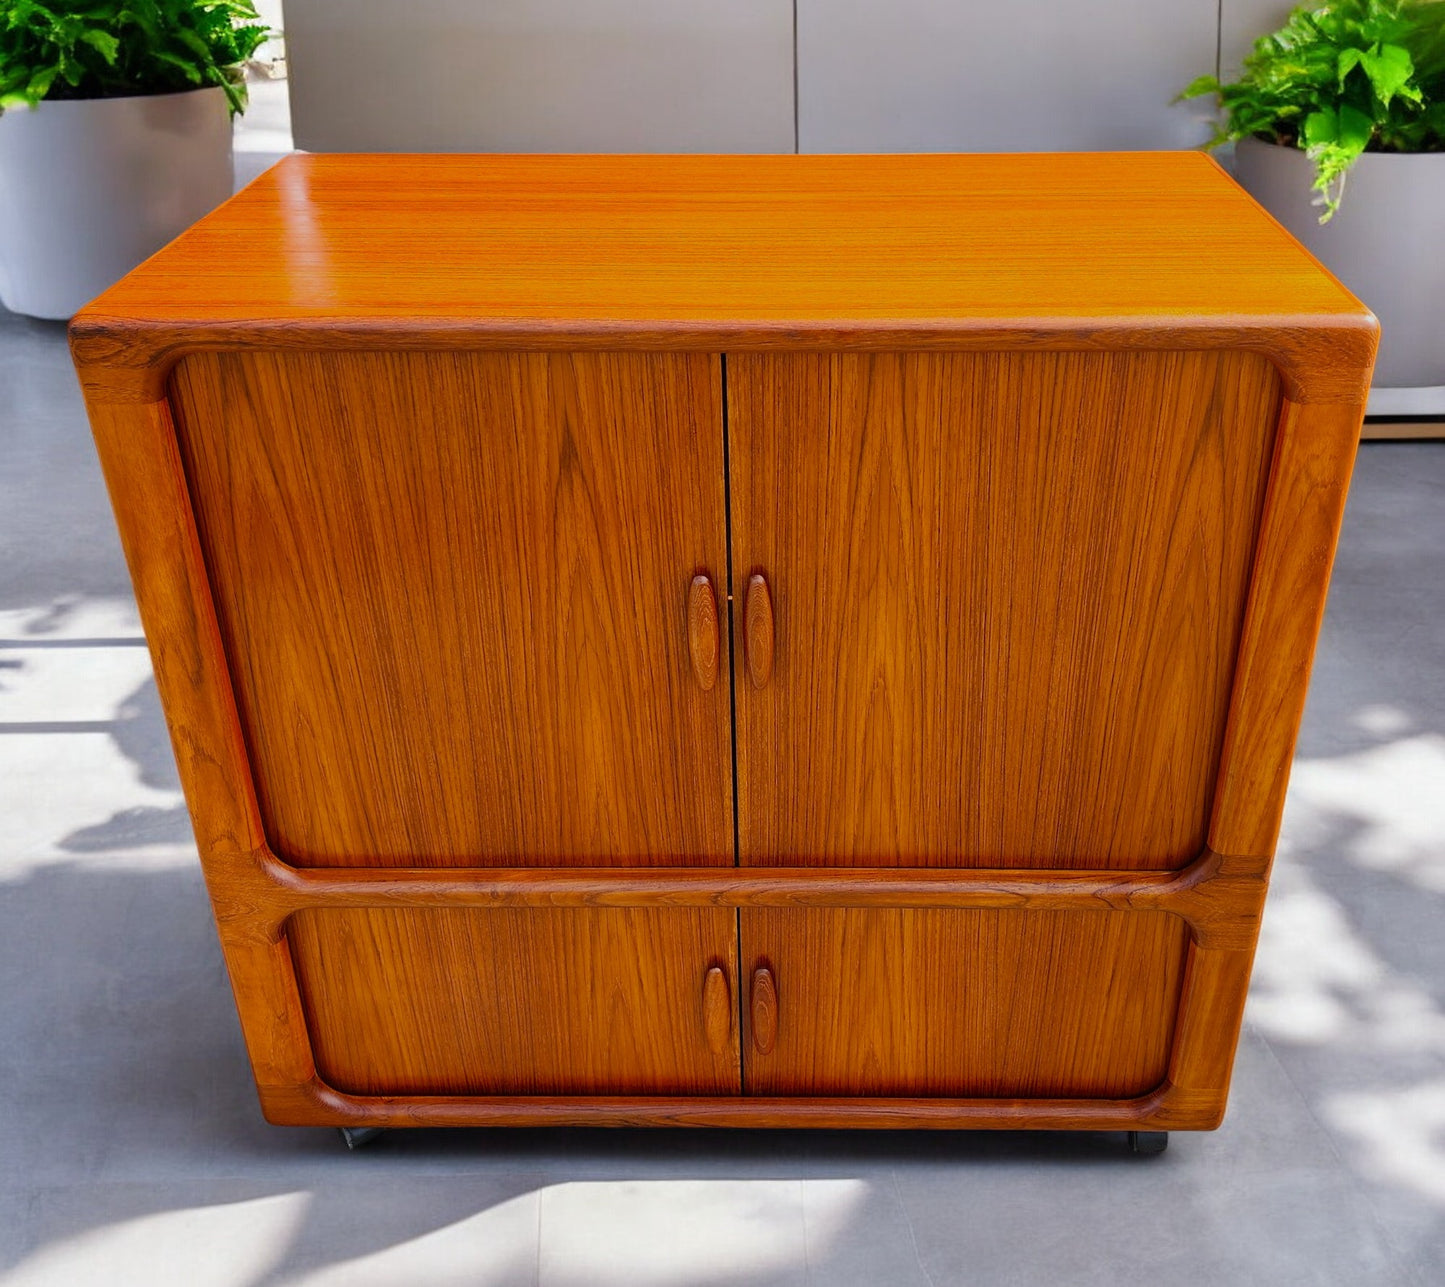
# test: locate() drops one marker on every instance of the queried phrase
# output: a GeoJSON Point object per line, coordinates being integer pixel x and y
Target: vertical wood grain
{"type": "Point", "coordinates": [147, 485]}
{"type": "Point", "coordinates": [415, 558]}
{"type": "Point", "coordinates": [1010, 592]}
{"type": "Point", "coordinates": [1303, 513]}
{"type": "Point", "coordinates": [454, 593]}
{"type": "Point", "coordinates": [144, 475]}
{"type": "Point", "coordinates": [572, 1002]}
{"type": "Point", "coordinates": [1210, 1017]}
{"type": "Point", "coordinates": [965, 1002]}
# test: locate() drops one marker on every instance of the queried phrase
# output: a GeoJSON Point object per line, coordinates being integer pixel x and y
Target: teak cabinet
{"type": "Point", "coordinates": [733, 640]}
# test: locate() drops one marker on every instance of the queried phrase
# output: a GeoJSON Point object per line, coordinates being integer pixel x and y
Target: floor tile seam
{"type": "Point", "coordinates": [908, 1220]}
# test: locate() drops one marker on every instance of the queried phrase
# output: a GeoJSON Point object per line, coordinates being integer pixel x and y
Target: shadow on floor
{"type": "Point", "coordinates": [129, 1099]}
{"type": "Point", "coordinates": [139, 732]}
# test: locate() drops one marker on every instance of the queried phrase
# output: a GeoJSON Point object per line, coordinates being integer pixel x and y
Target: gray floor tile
{"type": "Point", "coordinates": [709, 1233]}
{"type": "Point", "coordinates": [351, 1231]}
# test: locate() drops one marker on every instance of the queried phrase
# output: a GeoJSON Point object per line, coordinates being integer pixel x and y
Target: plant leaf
{"type": "Point", "coordinates": [39, 84]}
{"type": "Point", "coordinates": [1348, 61]}
{"type": "Point", "coordinates": [1388, 67]}
{"type": "Point", "coordinates": [1199, 87]}
{"type": "Point", "coordinates": [1321, 127]}
{"type": "Point", "coordinates": [106, 45]}
{"type": "Point", "coordinates": [1355, 129]}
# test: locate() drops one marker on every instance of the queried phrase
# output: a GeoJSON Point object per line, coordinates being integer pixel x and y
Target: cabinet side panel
{"type": "Point", "coordinates": [1008, 591]}
{"type": "Point", "coordinates": [453, 591]}
{"type": "Point", "coordinates": [524, 1002]}
{"type": "Point", "coordinates": [1009, 1004]}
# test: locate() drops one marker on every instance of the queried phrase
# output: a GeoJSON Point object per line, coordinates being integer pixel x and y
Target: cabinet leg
{"type": "Point", "coordinates": [1148, 1141]}
{"type": "Point", "coordinates": [359, 1136]}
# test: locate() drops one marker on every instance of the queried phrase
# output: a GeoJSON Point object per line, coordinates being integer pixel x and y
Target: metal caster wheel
{"type": "Point", "coordinates": [359, 1136]}
{"type": "Point", "coordinates": [1148, 1141]}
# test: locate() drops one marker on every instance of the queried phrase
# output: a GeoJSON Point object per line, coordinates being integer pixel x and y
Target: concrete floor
{"type": "Point", "coordinates": [132, 1150]}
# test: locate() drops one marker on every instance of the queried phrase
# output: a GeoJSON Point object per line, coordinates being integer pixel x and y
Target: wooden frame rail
{"type": "Point", "coordinates": [1219, 897]}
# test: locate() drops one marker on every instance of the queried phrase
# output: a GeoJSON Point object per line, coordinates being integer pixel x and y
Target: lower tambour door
{"type": "Point", "coordinates": [575, 1001]}
{"type": "Point", "coordinates": [959, 1003]}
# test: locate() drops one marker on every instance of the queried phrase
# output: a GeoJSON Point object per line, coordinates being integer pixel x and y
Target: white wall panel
{"type": "Point", "coordinates": [977, 75]}
{"type": "Point", "coordinates": [541, 75]}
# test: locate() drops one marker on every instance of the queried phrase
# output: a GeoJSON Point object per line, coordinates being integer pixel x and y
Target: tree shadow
{"type": "Point", "coordinates": [138, 729]}
{"type": "Point", "coordinates": [129, 1095]}
{"type": "Point", "coordinates": [128, 1087]}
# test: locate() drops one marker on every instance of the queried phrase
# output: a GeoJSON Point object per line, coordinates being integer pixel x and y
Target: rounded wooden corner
{"type": "Point", "coordinates": [1328, 359]}
{"type": "Point", "coordinates": [311, 1103]}
{"type": "Point", "coordinates": [1172, 1107]}
{"type": "Point", "coordinates": [121, 360]}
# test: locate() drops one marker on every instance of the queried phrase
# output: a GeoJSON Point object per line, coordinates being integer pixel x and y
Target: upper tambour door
{"type": "Point", "coordinates": [1002, 594]}
{"type": "Point", "coordinates": [454, 591]}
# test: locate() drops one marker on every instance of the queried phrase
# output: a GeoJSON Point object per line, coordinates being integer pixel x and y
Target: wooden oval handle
{"type": "Point", "coordinates": [702, 632]}
{"type": "Point", "coordinates": [765, 1010]}
{"type": "Point", "coordinates": [758, 627]}
{"type": "Point", "coordinates": [717, 1009]}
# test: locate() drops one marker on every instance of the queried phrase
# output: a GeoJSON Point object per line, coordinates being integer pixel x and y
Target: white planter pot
{"type": "Point", "coordinates": [1386, 243]}
{"type": "Point", "coordinates": [90, 187]}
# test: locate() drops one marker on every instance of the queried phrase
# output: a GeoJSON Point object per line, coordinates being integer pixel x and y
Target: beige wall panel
{"type": "Point", "coordinates": [1241, 23]}
{"type": "Point", "coordinates": [1031, 75]}
{"type": "Point", "coordinates": [541, 75]}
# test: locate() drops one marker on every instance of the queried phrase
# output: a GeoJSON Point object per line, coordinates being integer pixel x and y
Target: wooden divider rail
{"type": "Point", "coordinates": [752, 641]}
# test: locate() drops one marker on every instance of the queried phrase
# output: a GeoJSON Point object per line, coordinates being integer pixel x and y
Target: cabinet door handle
{"type": "Point", "coordinates": [758, 626]}
{"type": "Point", "coordinates": [765, 1010]}
{"type": "Point", "coordinates": [702, 631]}
{"type": "Point", "coordinates": [717, 1009]}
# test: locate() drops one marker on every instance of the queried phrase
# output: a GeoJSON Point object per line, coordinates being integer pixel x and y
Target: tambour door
{"type": "Point", "coordinates": [988, 604]}
{"type": "Point", "coordinates": [520, 1001]}
{"type": "Point", "coordinates": [467, 600]}
{"type": "Point", "coordinates": [959, 1002]}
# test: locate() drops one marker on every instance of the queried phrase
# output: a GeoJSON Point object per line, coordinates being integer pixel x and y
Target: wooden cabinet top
{"type": "Point", "coordinates": [954, 251]}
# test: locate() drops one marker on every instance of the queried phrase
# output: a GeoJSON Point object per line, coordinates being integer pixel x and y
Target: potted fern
{"type": "Point", "coordinates": [115, 134]}
{"type": "Point", "coordinates": [1339, 125]}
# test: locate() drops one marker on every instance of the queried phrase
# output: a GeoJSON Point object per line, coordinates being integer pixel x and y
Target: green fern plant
{"type": "Point", "coordinates": [55, 49]}
{"type": "Point", "coordinates": [1338, 80]}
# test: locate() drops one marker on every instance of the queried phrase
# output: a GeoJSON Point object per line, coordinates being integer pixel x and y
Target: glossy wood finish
{"type": "Point", "coordinates": [993, 260]}
{"type": "Point", "coordinates": [1314, 456]}
{"type": "Point", "coordinates": [703, 636]}
{"type": "Point", "coordinates": [717, 1010]}
{"type": "Point", "coordinates": [1011, 588]}
{"type": "Point", "coordinates": [759, 630]}
{"type": "Point", "coordinates": [763, 1018]}
{"type": "Point", "coordinates": [583, 1001]}
{"type": "Point", "coordinates": [1141, 250]}
{"type": "Point", "coordinates": [992, 1004]}
{"type": "Point", "coordinates": [453, 590]}
{"type": "Point", "coordinates": [1218, 896]}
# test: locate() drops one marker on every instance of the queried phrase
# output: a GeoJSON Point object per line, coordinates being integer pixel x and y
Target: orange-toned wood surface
{"type": "Point", "coordinates": [1152, 250]}
{"type": "Point", "coordinates": [1218, 896]}
{"type": "Point", "coordinates": [454, 590]}
{"type": "Point", "coordinates": [422, 279]}
{"type": "Point", "coordinates": [1306, 503]}
{"type": "Point", "coordinates": [582, 1001]}
{"type": "Point", "coordinates": [968, 1003]}
{"type": "Point", "coordinates": [1007, 598]}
